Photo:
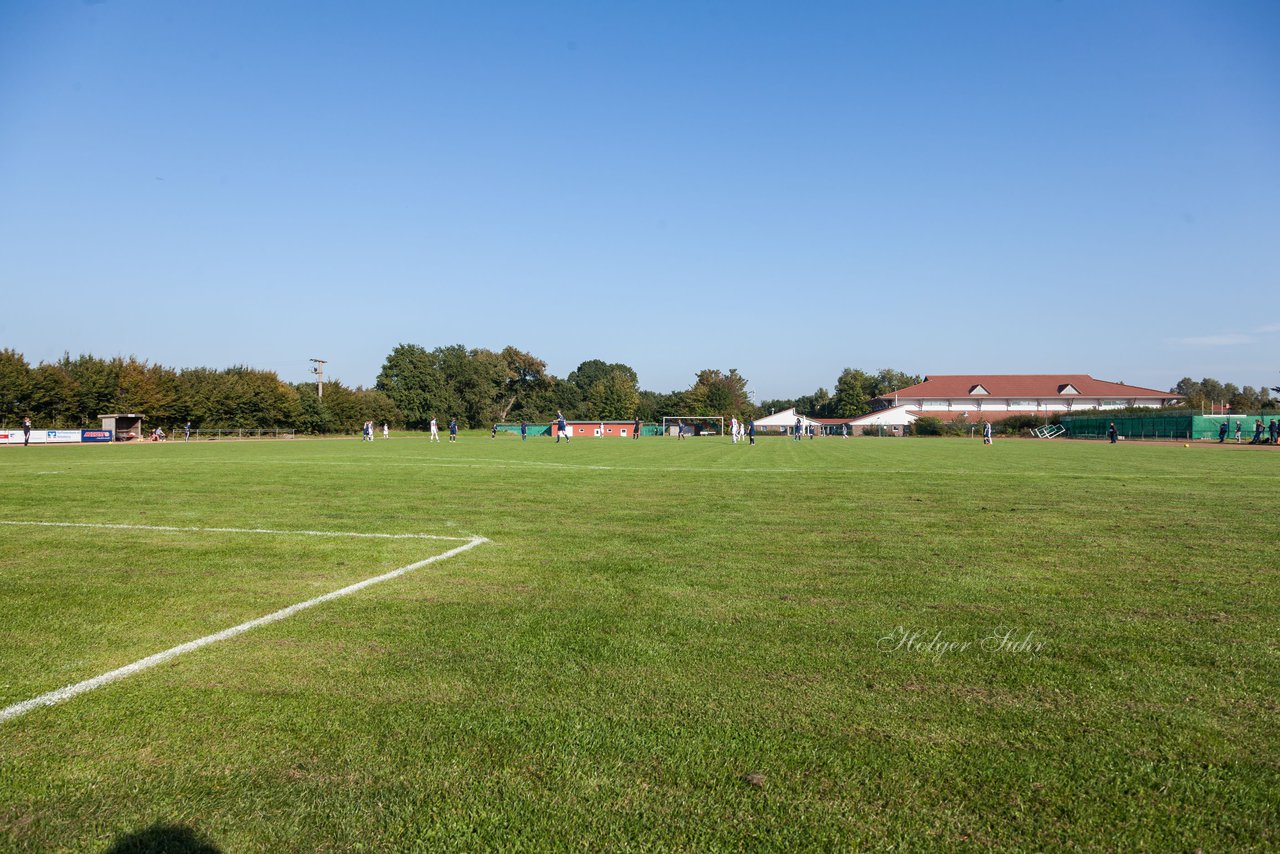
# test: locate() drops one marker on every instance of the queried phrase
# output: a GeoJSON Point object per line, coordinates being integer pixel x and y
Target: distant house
{"type": "Point", "coordinates": [994, 397]}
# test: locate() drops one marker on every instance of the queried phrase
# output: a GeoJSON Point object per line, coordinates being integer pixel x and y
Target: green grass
{"type": "Point", "coordinates": [665, 645]}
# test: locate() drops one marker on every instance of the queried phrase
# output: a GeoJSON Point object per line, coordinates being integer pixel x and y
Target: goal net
{"type": "Point", "coordinates": [693, 425]}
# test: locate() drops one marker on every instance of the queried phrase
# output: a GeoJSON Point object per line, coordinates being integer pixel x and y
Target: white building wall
{"type": "Point", "coordinates": [1065, 404]}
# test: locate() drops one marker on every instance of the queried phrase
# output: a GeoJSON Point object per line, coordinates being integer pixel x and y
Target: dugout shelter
{"type": "Point", "coordinates": [126, 426]}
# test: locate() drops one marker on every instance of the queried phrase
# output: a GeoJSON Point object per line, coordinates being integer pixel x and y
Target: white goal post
{"type": "Point", "coordinates": [694, 425]}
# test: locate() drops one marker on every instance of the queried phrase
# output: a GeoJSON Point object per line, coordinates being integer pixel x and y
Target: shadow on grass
{"type": "Point", "coordinates": [167, 838]}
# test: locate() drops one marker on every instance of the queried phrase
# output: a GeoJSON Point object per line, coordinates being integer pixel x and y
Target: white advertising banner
{"type": "Point", "coordinates": [40, 437]}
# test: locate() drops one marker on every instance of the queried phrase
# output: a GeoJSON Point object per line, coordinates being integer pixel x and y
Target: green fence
{"type": "Point", "coordinates": [1172, 426]}
{"type": "Point", "coordinates": [534, 429]}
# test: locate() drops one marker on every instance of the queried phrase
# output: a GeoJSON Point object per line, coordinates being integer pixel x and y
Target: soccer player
{"type": "Point", "coordinates": [453, 429]}
{"type": "Point", "coordinates": [560, 425]}
{"type": "Point", "coordinates": [733, 429]}
{"type": "Point", "coordinates": [635, 429]}
{"type": "Point", "coordinates": [493, 434]}
{"type": "Point", "coordinates": [435, 431]}
{"type": "Point", "coordinates": [386, 430]}
{"type": "Point", "coordinates": [26, 431]}
{"type": "Point", "coordinates": [524, 430]}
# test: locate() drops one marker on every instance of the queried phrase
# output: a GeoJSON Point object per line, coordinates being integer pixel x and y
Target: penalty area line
{"type": "Point", "coordinates": [174, 528]}
{"type": "Point", "coordinates": [52, 697]}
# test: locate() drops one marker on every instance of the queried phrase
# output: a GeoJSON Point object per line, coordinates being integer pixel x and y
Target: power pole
{"type": "Point", "coordinates": [318, 370]}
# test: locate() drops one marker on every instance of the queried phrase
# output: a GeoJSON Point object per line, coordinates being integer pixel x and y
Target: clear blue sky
{"type": "Point", "coordinates": [783, 188]}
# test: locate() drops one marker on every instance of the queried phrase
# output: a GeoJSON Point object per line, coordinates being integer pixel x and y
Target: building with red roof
{"type": "Point", "coordinates": [994, 397]}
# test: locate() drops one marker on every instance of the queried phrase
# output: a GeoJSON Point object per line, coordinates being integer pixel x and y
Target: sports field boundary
{"type": "Point", "coordinates": [60, 695]}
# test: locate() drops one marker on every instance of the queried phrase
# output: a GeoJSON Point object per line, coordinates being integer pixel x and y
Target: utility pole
{"type": "Point", "coordinates": [318, 370]}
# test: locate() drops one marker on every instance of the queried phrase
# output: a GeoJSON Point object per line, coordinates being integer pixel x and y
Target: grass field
{"type": "Point", "coordinates": [827, 644]}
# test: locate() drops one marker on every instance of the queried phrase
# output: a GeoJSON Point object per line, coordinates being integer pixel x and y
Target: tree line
{"type": "Point", "coordinates": [1208, 393]}
{"type": "Point", "coordinates": [482, 387]}
{"type": "Point", "coordinates": [477, 386]}
{"type": "Point", "coordinates": [74, 392]}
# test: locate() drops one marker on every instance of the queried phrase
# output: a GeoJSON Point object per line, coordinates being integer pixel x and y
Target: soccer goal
{"type": "Point", "coordinates": [693, 425]}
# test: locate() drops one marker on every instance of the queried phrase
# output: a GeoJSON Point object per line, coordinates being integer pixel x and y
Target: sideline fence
{"type": "Point", "coordinates": [1184, 426]}
{"type": "Point", "coordinates": [233, 435]}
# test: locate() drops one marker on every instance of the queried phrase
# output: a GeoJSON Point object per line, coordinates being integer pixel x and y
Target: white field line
{"type": "Point", "coordinates": [52, 697]}
{"type": "Point", "coordinates": [236, 531]}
